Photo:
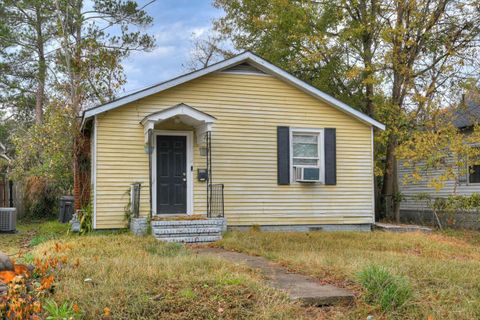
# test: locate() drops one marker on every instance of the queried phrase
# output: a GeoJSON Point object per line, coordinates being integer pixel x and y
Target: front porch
{"type": "Point", "coordinates": [185, 204]}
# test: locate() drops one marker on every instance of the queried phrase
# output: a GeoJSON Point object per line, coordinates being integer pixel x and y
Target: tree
{"type": "Point", "coordinates": [206, 51]}
{"type": "Point", "coordinates": [427, 45]}
{"type": "Point", "coordinates": [90, 56]}
{"type": "Point", "coordinates": [87, 41]}
{"type": "Point", "coordinates": [43, 159]}
{"type": "Point", "coordinates": [440, 152]}
{"type": "Point", "coordinates": [396, 60]}
{"type": "Point", "coordinates": [26, 29]}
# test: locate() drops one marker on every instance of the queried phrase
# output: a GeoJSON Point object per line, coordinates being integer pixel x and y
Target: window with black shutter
{"type": "Point", "coordinates": [306, 155]}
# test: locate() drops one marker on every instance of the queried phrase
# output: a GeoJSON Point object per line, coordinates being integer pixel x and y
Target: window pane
{"type": "Point", "coordinates": [298, 138]}
{"type": "Point", "coordinates": [305, 162]}
{"type": "Point", "coordinates": [474, 174]}
{"type": "Point", "coordinates": [305, 150]}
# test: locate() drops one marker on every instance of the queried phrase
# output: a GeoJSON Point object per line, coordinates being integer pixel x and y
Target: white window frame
{"type": "Point", "coordinates": [321, 151]}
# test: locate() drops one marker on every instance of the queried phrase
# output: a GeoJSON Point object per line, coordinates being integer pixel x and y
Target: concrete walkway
{"type": "Point", "coordinates": [401, 227]}
{"type": "Point", "coordinates": [299, 287]}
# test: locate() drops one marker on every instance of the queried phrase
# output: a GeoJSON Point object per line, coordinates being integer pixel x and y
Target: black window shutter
{"type": "Point", "coordinates": [283, 155]}
{"type": "Point", "coordinates": [330, 156]}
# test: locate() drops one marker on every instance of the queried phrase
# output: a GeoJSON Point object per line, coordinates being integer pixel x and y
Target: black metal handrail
{"type": "Point", "coordinates": [216, 204]}
{"type": "Point", "coordinates": [215, 199]}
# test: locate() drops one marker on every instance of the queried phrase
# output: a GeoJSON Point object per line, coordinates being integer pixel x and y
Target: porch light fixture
{"type": "Point", "coordinates": [147, 148]}
{"type": "Point", "coordinates": [203, 151]}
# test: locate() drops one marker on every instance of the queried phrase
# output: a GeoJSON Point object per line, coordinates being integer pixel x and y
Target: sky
{"type": "Point", "coordinates": [175, 24]}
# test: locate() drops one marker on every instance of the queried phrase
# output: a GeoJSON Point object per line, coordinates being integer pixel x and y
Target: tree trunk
{"type": "Point", "coordinates": [390, 179]}
{"type": "Point", "coordinates": [76, 100]}
{"type": "Point", "coordinates": [42, 67]}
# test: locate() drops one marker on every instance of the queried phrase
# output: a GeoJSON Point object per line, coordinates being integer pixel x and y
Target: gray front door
{"type": "Point", "coordinates": [171, 174]}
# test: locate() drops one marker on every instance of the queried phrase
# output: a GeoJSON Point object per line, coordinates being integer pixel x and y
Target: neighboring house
{"type": "Point", "coordinates": [415, 210]}
{"type": "Point", "coordinates": [249, 130]}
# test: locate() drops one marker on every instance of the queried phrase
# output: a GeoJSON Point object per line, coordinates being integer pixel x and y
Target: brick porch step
{"type": "Point", "coordinates": [198, 239]}
{"type": "Point", "coordinates": [189, 231]}
{"type": "Point", "coordinates": [186, 223]}
{"type": "Point", "coordinates": [196, 230]}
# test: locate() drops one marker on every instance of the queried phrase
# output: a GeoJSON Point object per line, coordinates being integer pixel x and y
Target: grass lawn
{"type": "Point", "coordinates": [140, 278]}
{"type": "Point", "coordinates": [30, 234]}
{"type": "Point", "coordinates": [442, 269]}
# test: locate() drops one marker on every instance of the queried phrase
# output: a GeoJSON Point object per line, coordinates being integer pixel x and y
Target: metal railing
{"type": "Point", "coordinates": [215, 199]}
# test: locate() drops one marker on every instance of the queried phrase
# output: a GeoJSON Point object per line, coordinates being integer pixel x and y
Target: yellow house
{"type": "Point", "coordinates": [242, 139]}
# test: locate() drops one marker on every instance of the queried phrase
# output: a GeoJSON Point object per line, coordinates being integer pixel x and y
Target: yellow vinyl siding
{"type": "Point", "coordinates": [248, 109]}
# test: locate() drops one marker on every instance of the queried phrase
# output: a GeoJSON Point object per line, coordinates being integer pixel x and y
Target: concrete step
{"type": "Point", "coordinates": [187, 239]}
{"type": "Point", "coordinates": [401, 227]}
{"type": "Point", "coordinates": [187, 223]}
{"type": "Point", "coordinates": [196, 230]}
{"type": "Point", "coordinates": [189, 231]}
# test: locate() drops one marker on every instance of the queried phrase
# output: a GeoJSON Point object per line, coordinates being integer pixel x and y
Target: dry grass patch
{"type": "Point", "coordinates": [140, 278]}
{"type": "Point", "coordinates": [442, 270]}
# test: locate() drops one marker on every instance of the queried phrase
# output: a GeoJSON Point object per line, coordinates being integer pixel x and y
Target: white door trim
{"type": "Point", "coordinates": [189, 171]}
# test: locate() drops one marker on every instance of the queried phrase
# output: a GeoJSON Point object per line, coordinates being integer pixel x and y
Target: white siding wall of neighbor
{"type": "Point", "coordinates": [248, 108]}
{"type": "Point", "coordinates": [411, 190]}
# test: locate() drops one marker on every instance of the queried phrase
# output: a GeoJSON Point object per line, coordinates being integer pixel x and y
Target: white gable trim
{"type": "Point", "coordinates": [248, 57]}
{"type": "Point", "coordinates": [201, 121]}
{"type": "Point", "coordinates": [179, 109]}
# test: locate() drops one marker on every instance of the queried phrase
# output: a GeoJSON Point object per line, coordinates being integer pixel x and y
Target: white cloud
{"type": "Point", "coordinates": [177, 22]}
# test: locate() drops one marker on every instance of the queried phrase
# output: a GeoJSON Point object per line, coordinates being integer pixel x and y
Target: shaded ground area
{"type": "Point", "coordinates": [442, 268]}
{"type": "Point", "coordinates": [299, 287]}
{"type": "Point", "coordinates": [30, 234]}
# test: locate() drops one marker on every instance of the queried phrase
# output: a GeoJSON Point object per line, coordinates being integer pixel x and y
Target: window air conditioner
{"type": "Point", "coordinates": [307, 174]}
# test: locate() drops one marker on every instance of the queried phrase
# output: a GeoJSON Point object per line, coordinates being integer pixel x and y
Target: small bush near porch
{"type": "Point", "coordinates": [396, 276]}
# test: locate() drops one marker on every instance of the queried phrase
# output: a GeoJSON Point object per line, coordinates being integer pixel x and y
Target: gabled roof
{"type": "Point", "coordinates": [179, 109]}
{"type": "Point", "coordinates": [246, 57]}
{"type": "Point", "coordinates": [467, 115]}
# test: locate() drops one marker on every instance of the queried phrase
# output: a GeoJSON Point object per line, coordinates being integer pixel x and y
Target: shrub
{"type": "Point", "coordinates": [384, 289]}
{"type": "Point", "coordinates": [40, 198]}
{"type": "Point", "coordinates": [27, 288]}
{"type": "Point", "coordinates": [86, 219]}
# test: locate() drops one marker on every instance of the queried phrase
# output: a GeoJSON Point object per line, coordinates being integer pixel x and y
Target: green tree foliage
{"type": "Point", "coordinates": [45, 150]}
{"type": "Point", "coordinates": [302, 37]}
{"type": "Point", "coordinates": [93, 42]}
{"type": "Point", "coordinates": [399, 61]}
{"type": "Point", "coordinates": [26, 29]}
{"type": "Point", "coordinates": [86, 42]}
{"type": "Point", "coordinates": [43, 159]}
{"type": "Point", "coordinates": [439, 153]}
